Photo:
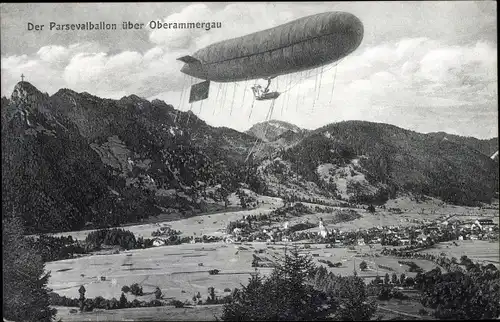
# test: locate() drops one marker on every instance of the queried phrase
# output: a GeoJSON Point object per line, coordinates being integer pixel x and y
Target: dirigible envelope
{"type": "Point", "coordinates": [299, 45]}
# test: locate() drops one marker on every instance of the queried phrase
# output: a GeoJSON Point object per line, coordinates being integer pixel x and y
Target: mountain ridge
{"type": "Point", "coordinates": [88, 159]}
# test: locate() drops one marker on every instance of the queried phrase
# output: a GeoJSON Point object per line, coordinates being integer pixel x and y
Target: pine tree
{"type": "Point", "coordinates": [81, 290]}
{"type": "Point", "coordinates": [25, 292]}
{"type": "Point", "coordinates": [123, 301]}
{"type": "Point", "coordinates": [394, 278]}
{"type": "Point", "coordinates": [402, 278]}
{"type": "Point", "coordinates": [386, 278]}
{"type": "Point", "coordinates": [285, 295]}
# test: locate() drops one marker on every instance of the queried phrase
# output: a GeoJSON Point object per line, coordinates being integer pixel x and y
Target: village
{"type": "Point", "coordinates": [272, 229]}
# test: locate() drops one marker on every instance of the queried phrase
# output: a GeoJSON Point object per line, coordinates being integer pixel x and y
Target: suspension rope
{"type": "Point", "coordinates": [232, 101]}
{"type": "Point", "coordinates": [268, 116]}
{"type": "Point", "coordinates": [217, 97]}
{"type": "Point", "coordinates": [333, 86]}
{"type": "Point", "coordinates": [306, 77]}
{"type": "Point", "coordinates": [182, 96]}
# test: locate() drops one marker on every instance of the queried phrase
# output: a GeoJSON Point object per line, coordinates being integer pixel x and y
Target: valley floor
{"type": "Point", "coordinates": [181, 271]}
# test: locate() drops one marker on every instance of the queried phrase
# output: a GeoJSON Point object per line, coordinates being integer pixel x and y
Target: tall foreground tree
{"type": "Point", "coordinates": [25, 292]}
{"type": "Point", "coordinates": [461, 296]}
{"type": "Point", "coordinates": [284, 296]}
{"type": "Point", "coordinates": [299, 291]}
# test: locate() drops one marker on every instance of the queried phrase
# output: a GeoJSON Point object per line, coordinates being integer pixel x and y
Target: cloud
{"type": "Point", "coordinates": [53, 54]}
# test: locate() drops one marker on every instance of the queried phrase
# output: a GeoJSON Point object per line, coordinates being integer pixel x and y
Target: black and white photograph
{"type": "Point", "coordinates": [250, 161]}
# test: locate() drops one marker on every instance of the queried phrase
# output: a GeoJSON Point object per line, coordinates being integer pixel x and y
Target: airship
{"type": "Point", "coordinates": [302, 44]}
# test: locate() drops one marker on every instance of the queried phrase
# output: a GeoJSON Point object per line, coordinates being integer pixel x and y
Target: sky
{"type": "Point", "coordinates": [425, 66]}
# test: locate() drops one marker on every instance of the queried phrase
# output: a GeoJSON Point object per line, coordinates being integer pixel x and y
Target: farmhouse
{"type": "Point", "coordinates": [158, 242]}
{"type": "Point", "coordinates": [404, 242]}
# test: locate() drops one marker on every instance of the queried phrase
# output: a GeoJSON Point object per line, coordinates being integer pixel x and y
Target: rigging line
{"type": "Point", "coordinates": [199, 112]}
{"type": "Point", "coordinates": [255, 144]}
{"type": "Point", "coordinates": [270, 114]}
{"type": "Point", "coordinates": [320, 81]}
{"type": "Point", "coordinates": [251, 108]}
{"type": "Point", "coordinates": [308, 76]}
{"type": "Point", "coordinates": [297, 101]}
{"type": "Point", "coordinates": [232, 101]}
{"type": "Point", "coordinates": [265, 130]}
{"type": "Point", "coordinates": [283, 104]}
{"type": "Point", "coordinates": [244, 91]}
{"type": "Point", "coordinates": [251, 150]}
{"type": "Point", "coordinates": [190, 105]}
{"type": "Point", "coordinates": [216, 98]}
{"type": "Point", "coordinates": [182, 96]}
{"type": "Point", "coordinates": [333, 85]}
{"type": "Point", "coordinates": [223, 98]}
{"type": "Point", "coordinates": [314, 94]}
{"type": "Point", "coordinates": [288, 97]}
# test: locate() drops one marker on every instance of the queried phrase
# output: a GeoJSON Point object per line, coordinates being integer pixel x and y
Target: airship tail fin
{"type": "Point", "coordinates": [199, 91]}
{"type": "Point", "coordinates": [188, 59]}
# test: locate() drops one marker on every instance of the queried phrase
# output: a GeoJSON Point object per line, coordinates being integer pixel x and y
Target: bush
{"type": "Point", "coordinates": [227, 289]}
{"type": "Point", "coordinates": [398, 295]}
{"type": "Point", "coordinates": [409, 281]}
{"type": "Point", "coordinates": [125, 289]}
{"type": "Point", "coordinates": [363, 266]}
{"type": "Point", "coordinates": [158, 294]}
{"type": "Point", "coordinates": [154, 303]}
{"type": "Point", "coordinates": [177, 303]}
{"type": "Point", "coordinates": [384, 294]}
{"type": "Point", "coordinates": [114, 237]}
{"type": "Point", "coordinates": [213, 272]}
{"type": "Point", "coordinates": [136, 290]}
{"type": "Point", "coordinates": [423, 311]}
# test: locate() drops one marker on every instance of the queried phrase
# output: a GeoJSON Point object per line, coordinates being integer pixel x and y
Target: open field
{"type": "Point", "coordinates": [213, 224]}
{"type": "Point", "coordinates": [393, 309]}
{"type": "Point", "coordinates": [164, 313]}
{"type": "Point", "coordinates": [181, 271]}
{"type": "Point", "coordinates": [401, 310]}
{"type": "Point", "coordinates": [176, 270]}
{"type": "Point", "coordinates": [477, 250]}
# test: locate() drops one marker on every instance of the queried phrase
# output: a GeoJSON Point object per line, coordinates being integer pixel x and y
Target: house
{"type": "Point", "coordinates": [485, 222]}
{"type": "Point", "coordinates": [158, 242]}
{"type": "Point", "coordinates": [404, 242]}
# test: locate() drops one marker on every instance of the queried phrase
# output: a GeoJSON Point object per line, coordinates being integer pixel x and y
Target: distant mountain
{"type": "Point", "coordinates": [73, 158]}
{"type": "Point", "coordinates": [487, 146]}
{"type": "Point", "coordinates": [400, 160]}
{"type": "Point", "coordinates": [272, 130]}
